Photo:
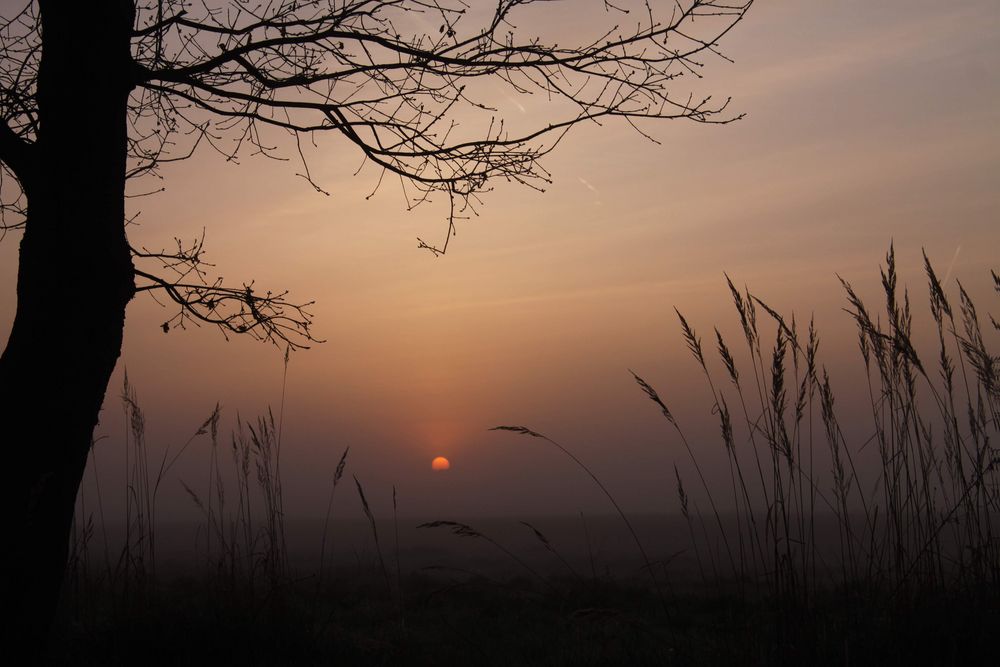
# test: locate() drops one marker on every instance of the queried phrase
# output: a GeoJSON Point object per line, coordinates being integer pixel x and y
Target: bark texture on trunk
{"type": "Point", "coordinates": [75, 278]}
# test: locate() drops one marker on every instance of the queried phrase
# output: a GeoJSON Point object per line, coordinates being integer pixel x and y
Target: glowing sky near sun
{"type": "Point", "coordinates": [867, 121]}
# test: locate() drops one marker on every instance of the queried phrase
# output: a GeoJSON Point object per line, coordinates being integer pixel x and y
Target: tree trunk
{"type": "Point", "coordinates": [75, 278]}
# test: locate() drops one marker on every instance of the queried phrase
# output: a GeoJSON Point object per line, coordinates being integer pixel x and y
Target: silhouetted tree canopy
{"type": "Point", "coordinates": [97, 97]}
{"type": "Point", "coordinates": [402, 80]}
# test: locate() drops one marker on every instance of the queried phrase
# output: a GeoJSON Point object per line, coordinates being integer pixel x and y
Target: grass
{"type": "Point", "coordinates": [912, 577]}
{"type": "Point", "coordinates": [927, 522]}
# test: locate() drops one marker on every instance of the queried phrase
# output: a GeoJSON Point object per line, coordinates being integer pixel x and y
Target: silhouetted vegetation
{"type": "Point", "coordinates": [164, 78]}
{"type": "Point", "coordinates": [928, 521]}
{"type": "Point", "coordinates": [911, 576]}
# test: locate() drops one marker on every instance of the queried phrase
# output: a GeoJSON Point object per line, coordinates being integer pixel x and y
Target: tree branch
{"type": "Point", "coordinates": [398, 93]}
{"type": "Point", "coordinates": [16, 153]}
{"type": "Point", "coordinates": [266, 316]}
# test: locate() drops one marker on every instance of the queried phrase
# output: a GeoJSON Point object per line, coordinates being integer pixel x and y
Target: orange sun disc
{"type": "Point", "coordinates": [440, 463]}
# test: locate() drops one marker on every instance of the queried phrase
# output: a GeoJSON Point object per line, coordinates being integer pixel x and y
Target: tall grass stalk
{"type": "Point", "coordinates": [337, 475]}
{"type": "Point", "coordinates": [647, 563]}
{"type": "Point", "coordinates": [371, 522]}
{"type": "Point", "coordinates": [928, 520]}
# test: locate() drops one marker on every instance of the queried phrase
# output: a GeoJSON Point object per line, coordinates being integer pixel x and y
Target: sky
{"type": "Point", "coordinates": [866, 123]}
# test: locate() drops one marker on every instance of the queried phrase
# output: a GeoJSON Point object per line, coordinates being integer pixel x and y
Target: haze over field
{"type": "Point", "coordinates": [867, 122]}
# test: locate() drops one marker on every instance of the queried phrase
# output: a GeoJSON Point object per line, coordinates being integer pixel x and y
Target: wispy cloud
{"type": "Point", "coordinates": [850, 54]}
{"type": "Point", "coordinates": [590, 186]}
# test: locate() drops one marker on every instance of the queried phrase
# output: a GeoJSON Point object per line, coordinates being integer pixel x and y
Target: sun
{"type": "Point", "coordinates": [440, 463]}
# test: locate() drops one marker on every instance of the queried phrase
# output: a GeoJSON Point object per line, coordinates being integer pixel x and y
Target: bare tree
{"type": "Point", "coordinates": [95, 95]}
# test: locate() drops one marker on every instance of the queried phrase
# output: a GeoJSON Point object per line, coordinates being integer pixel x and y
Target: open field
{"type": "Point", "coordinates": [809, 557]}
{"type": "Point", "coordinates": [461, 619]}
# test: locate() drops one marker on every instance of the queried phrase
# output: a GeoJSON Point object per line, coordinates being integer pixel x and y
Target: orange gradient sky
{"type": "Point", "coordinates": [867, 122]}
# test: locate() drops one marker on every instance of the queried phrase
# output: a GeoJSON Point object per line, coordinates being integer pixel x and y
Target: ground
{"type": "Point", "coordinates": [465, 619]}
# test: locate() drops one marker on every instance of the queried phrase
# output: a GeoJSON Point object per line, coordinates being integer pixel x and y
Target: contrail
{"type": "Point", "coordinates": [588, 185]}
{"type": "Point", "coordinates": [952, 265]}
{"type": "Point", "coordinates": [517, 104]}
{"type": "Point", "coordinates": [597, 193]}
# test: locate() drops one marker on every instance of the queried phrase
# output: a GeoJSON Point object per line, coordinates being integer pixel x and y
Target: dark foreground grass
{"type": "Point", "coordinates": [477, 621]}
{"type": "Point", "coordinates": [913, 576]}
